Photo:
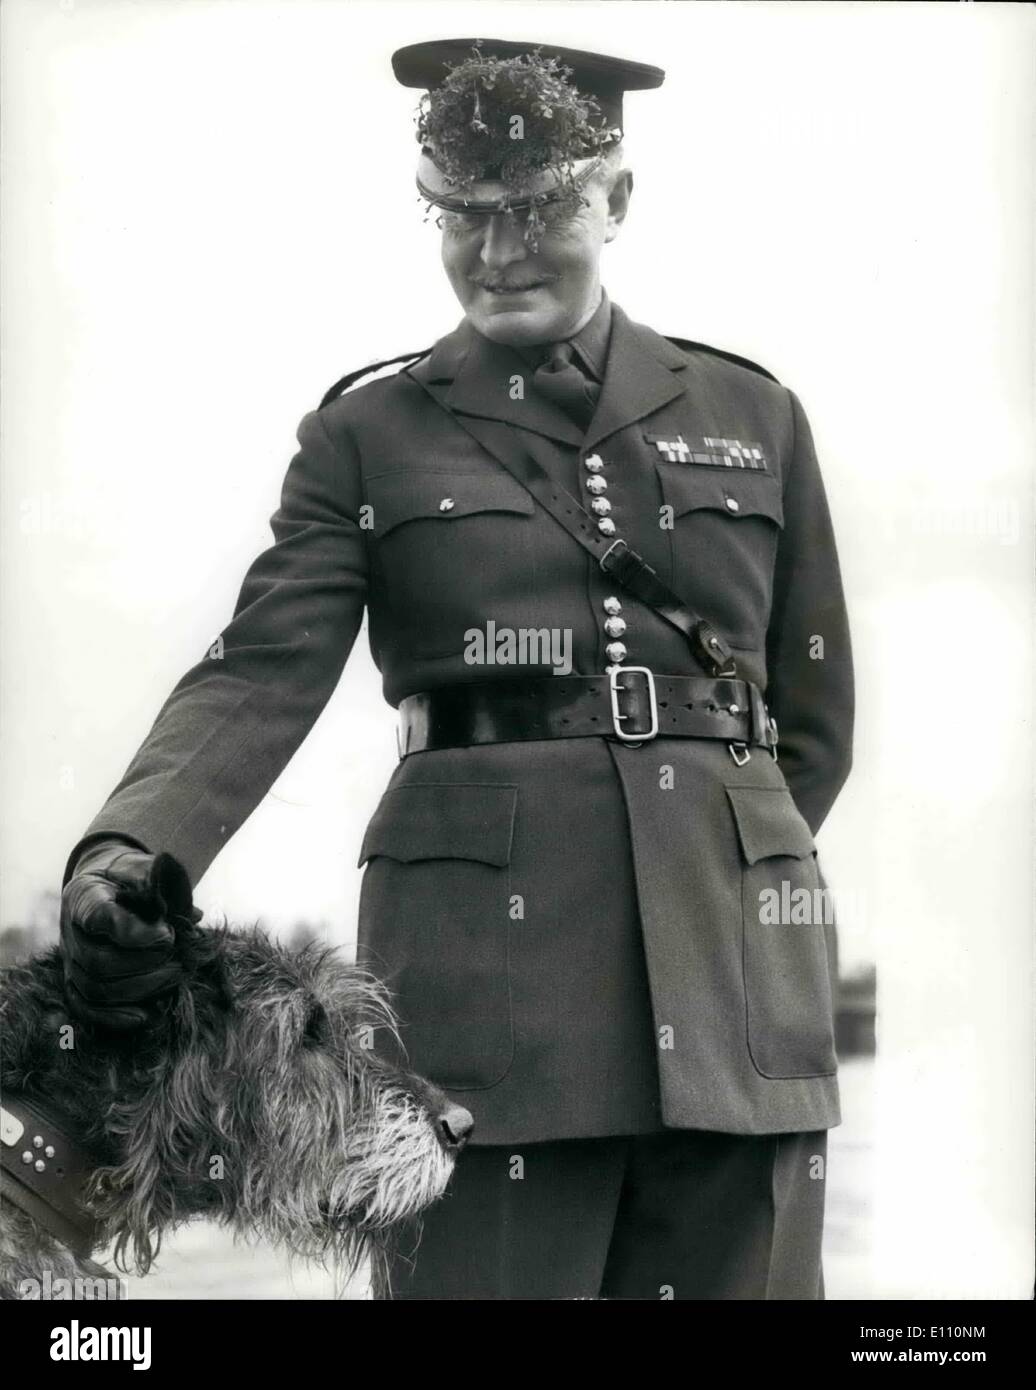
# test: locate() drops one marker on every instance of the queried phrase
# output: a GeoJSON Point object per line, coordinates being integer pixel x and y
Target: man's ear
{"type": "Point", "coordinates": [618, 203]}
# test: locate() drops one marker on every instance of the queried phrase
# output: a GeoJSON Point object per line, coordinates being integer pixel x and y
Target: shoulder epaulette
{"type": "Point", "coordinates": [351, 378]}
{"type": "Point", "coordinates": [718, 352]}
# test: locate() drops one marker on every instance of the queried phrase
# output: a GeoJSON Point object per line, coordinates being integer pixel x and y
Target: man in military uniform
{"type": "Point", "coordinates": [565, 876]}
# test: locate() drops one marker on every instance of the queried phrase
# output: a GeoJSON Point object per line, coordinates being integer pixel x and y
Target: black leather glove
{"type": "Point", "coordinates": [119, 911]}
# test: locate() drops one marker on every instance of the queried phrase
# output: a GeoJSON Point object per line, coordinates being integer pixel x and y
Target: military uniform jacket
{"type": "Point", "coordinates": [571, 928]}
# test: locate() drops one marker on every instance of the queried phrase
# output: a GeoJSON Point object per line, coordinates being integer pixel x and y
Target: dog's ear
{"type": "Point", "coordinates": [169, 885]}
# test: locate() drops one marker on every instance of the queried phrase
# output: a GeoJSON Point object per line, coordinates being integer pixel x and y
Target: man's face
{"type": "Point", "coordinates": [521, 297]}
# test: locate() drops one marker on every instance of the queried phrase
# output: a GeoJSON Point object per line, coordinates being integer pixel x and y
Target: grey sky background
{"type": "Point", "coordinates": [208, 215]}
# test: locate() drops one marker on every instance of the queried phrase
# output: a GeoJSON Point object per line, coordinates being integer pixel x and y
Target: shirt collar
{"type": "Point", "coordinates": [590, 343]}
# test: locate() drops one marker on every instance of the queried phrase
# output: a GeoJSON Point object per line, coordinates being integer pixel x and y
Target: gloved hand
{"type": "Point", "coordinates": [118, 912]}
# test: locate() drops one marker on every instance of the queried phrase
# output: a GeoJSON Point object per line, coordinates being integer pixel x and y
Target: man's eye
{"type": "Point", "coordinates": [557, 215]}
{"type": "Point", "coordinates": [462, 221]}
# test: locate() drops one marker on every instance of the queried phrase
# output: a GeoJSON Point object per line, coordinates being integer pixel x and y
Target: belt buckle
{"type": "Point", "coordinates": [618, 717]}
{"type": "Point", "coordinates": [776, 737]}
{"type": "Point", "coordinates": [606, 563]}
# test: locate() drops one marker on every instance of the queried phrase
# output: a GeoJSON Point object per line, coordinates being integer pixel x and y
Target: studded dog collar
{"type": "Point", "coordinates": [45, 1173]}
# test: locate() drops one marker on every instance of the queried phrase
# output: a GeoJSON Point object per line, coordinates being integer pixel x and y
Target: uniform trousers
{"type": "Point", "coordinates": [684, 1214]}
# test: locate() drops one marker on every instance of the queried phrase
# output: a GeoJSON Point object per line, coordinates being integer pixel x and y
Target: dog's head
{"type": "Point", "coordinates": [258, 1098]}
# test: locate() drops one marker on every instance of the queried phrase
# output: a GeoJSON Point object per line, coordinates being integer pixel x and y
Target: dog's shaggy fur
{"type": "Point", "coordinates": [256, 1101]}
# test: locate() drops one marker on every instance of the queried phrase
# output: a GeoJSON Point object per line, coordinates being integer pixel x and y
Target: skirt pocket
{"type": "Point", "coordinates": [435, 926]}
{"type": "Point", "coordinates": [784, 911]}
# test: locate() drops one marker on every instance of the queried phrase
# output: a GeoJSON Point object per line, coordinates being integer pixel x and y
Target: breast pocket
{"type": "Point", "coordinates": [725, 526]}
{"type": "Point", "coordinates": [438, 536]}
{"type": "Point", "coordinates": [784, 947]}
{"type": "Point", "coordinates": [435, 925]}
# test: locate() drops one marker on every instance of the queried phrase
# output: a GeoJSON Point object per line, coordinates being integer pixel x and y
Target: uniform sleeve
{"type": "Point", "coordinates": [809, 658]}
{"type": "Point", "coordinates": [234, 720]}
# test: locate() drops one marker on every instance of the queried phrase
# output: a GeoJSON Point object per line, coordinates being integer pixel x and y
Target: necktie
{"type": "Point", "coordinates": [562, 381]}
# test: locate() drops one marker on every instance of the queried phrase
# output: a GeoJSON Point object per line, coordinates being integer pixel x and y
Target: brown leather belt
{"type": "Point", "coordinates": [630, 704]}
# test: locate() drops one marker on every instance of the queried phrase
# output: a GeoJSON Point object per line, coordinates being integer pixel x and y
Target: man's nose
{"type": "Point", "coordinates": [503, 242]}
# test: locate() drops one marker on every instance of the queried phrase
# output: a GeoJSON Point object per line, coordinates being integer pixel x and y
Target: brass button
{"type": "Point", "coordinates": [596, 485]}
{"type": "Point", "coordinates": [593, 463]}
{"type": "Point", "coordinates": [615, 651]}
{"type": "Point", "coordinates": [40, 1166]}
{"type": "Point", "coordinates": [733, 505]}
{"type": "Point", "coordinates": [612, 605]}
{"type": "Point", "coordinates": [606, 527]}
{"type": "Point", "coordinates": [615, 627]}
{"type": "Point", "coordinates": [600, 506]}
{"type": "Point", "coordinates": [49, 1150]}
{"type": "Point", "coordinates": [447, 504]}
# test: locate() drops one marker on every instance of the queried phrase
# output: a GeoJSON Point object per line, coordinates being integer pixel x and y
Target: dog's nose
{"type": "Point", "coordinates": [454, 1126]}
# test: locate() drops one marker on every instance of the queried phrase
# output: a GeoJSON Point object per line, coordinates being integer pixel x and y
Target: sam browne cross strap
{"type": "Point", "coordinates": [580, 706]}
{"type": "Point", "coordinates": [723, 707]}
{"type": "Point", "coordinates": [615, 557]}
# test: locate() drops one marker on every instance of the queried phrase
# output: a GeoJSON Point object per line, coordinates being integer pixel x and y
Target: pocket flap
{"type": "Point", "coordinates": [769, 823]}
{"type": "Point", "coordinates": [734, 491]}
{"type": "Point", "coordinates": [406, 495]}
{"type": "Point", "coordinates": [442, 820]}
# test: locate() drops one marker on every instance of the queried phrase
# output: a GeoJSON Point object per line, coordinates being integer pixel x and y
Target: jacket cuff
{"type": "Point", "coordinates": [92, 842]}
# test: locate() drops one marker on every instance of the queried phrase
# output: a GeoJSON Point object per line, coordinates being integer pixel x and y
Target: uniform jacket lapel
{"type": "Point", "coordinates": [474, 376]}
{"type": "Point", "coordinates": [644, 372]}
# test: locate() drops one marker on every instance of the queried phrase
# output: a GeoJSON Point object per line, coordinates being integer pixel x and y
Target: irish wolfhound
{"type": "Point", "coordinates": [256, 1100]}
